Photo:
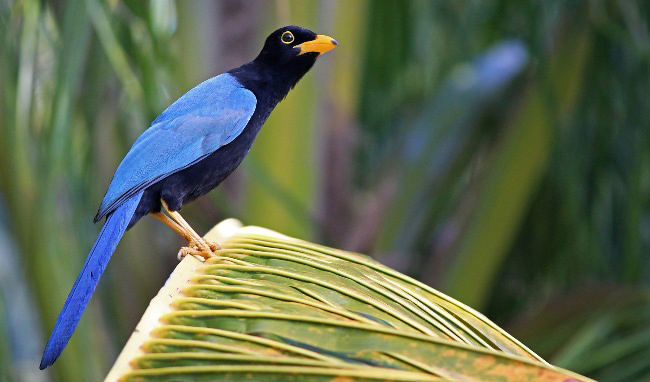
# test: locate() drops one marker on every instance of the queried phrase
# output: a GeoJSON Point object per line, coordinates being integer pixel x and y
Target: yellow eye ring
{"type": "Point", "coordinates": [287, 37]}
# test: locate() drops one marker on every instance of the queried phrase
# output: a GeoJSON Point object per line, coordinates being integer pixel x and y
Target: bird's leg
{"type": "Point", "coordinates": [195, 240]}
{"type": "Point", "coordinates": [172, 224]}
{"type": "Point", "coordinates": [184, 251]}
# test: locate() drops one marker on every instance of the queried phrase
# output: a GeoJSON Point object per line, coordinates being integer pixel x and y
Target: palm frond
{"type": "Point", "coordinates": [271, 307]}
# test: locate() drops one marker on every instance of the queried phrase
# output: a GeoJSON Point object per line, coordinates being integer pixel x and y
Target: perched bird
{"type": "Point", "coordinates": [186, 152]}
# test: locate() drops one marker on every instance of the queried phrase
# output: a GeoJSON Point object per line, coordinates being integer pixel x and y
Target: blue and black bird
{"type": "Point", "coordinates": [186, 152]}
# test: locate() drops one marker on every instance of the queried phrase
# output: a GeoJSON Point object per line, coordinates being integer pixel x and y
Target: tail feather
{"type": "Point", "coordinates": [87, 280]}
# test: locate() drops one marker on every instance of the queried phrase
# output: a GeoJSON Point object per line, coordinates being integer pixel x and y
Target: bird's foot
{"type": "Point", "coordinates": [205, 245]}
{"type": "Point", "coordinates": [200, 254]}
{"type": "Point", "coordinates": [203, 250]}
{"type": "Point", "coordinates": [214, 247]}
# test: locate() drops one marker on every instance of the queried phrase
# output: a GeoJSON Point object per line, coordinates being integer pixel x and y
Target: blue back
{"type": "Point", "coordinates": [207, 117]}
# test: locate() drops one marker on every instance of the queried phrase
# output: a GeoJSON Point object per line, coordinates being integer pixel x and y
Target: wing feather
{"type": "Point", "coordinates": [207, 117]}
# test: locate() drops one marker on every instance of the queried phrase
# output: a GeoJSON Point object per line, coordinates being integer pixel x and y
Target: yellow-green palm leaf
{"type": "Point", "coordinates": [274, 308]}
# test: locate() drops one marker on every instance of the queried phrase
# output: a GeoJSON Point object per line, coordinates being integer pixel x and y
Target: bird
{"type": "Point", "coordinates": [189, 149]}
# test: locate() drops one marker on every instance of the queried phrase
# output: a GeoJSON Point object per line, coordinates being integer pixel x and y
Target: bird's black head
{"type": "Point", "coordinates": [287, 55]}
{"type": "Point", "coordinates": [292, 45]}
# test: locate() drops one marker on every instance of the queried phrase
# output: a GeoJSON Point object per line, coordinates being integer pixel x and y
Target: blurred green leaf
{"type": "Point", "coordinates": [600, 332]}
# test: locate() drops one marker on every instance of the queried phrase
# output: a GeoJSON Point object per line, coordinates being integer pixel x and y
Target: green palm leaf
{"type": "Point", "coordinates": [276, 308]}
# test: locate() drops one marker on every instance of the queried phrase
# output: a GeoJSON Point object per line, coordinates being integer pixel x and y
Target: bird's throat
{"type": "Point", "coordinates": [271, 82]}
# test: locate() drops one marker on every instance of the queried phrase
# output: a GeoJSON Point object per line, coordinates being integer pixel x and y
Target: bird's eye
{"type": "Point", "coordinates": [287, 37]}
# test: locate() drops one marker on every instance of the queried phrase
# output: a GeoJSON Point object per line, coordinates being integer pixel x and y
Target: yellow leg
{"type": "Point", "coordinates": [185, 230]}
{"type": "Point", "coordinates": [192, 248]}
{"type": "Point", "coordinates": [189, 231]}
{"type": "Point", "coordinates": [172, 224]}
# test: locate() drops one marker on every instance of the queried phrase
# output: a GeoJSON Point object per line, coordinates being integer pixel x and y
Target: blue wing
{"type": "Point", "coordinates": [207, 117]}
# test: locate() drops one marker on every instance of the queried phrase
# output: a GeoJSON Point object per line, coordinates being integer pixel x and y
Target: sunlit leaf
{"type": "Point", "coordinates": [270, 307]}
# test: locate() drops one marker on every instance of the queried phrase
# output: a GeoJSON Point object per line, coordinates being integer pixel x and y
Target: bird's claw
{"type": "Point", "coordinates": [214, 247]}
{"type": "Point", "coordinates": [205, 245]}
{"type": "Point", "coordinates": [201, 251]}
{"type": "Point", "coordinates": [198, 253]}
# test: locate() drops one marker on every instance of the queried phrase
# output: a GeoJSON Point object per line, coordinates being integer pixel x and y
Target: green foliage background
{"type": "Point", "coordinates": [529, 201]}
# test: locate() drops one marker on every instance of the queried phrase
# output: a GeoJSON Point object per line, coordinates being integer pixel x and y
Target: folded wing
{"type": "Point", "coordinates": [207, 117]}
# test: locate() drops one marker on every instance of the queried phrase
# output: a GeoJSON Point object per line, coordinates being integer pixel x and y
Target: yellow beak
{"type": "Point", "coordinates": [320, 44]}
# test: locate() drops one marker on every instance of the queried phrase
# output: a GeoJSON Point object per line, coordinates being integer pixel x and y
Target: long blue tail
{"type": "Point", "coordinates": [84, 287]}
